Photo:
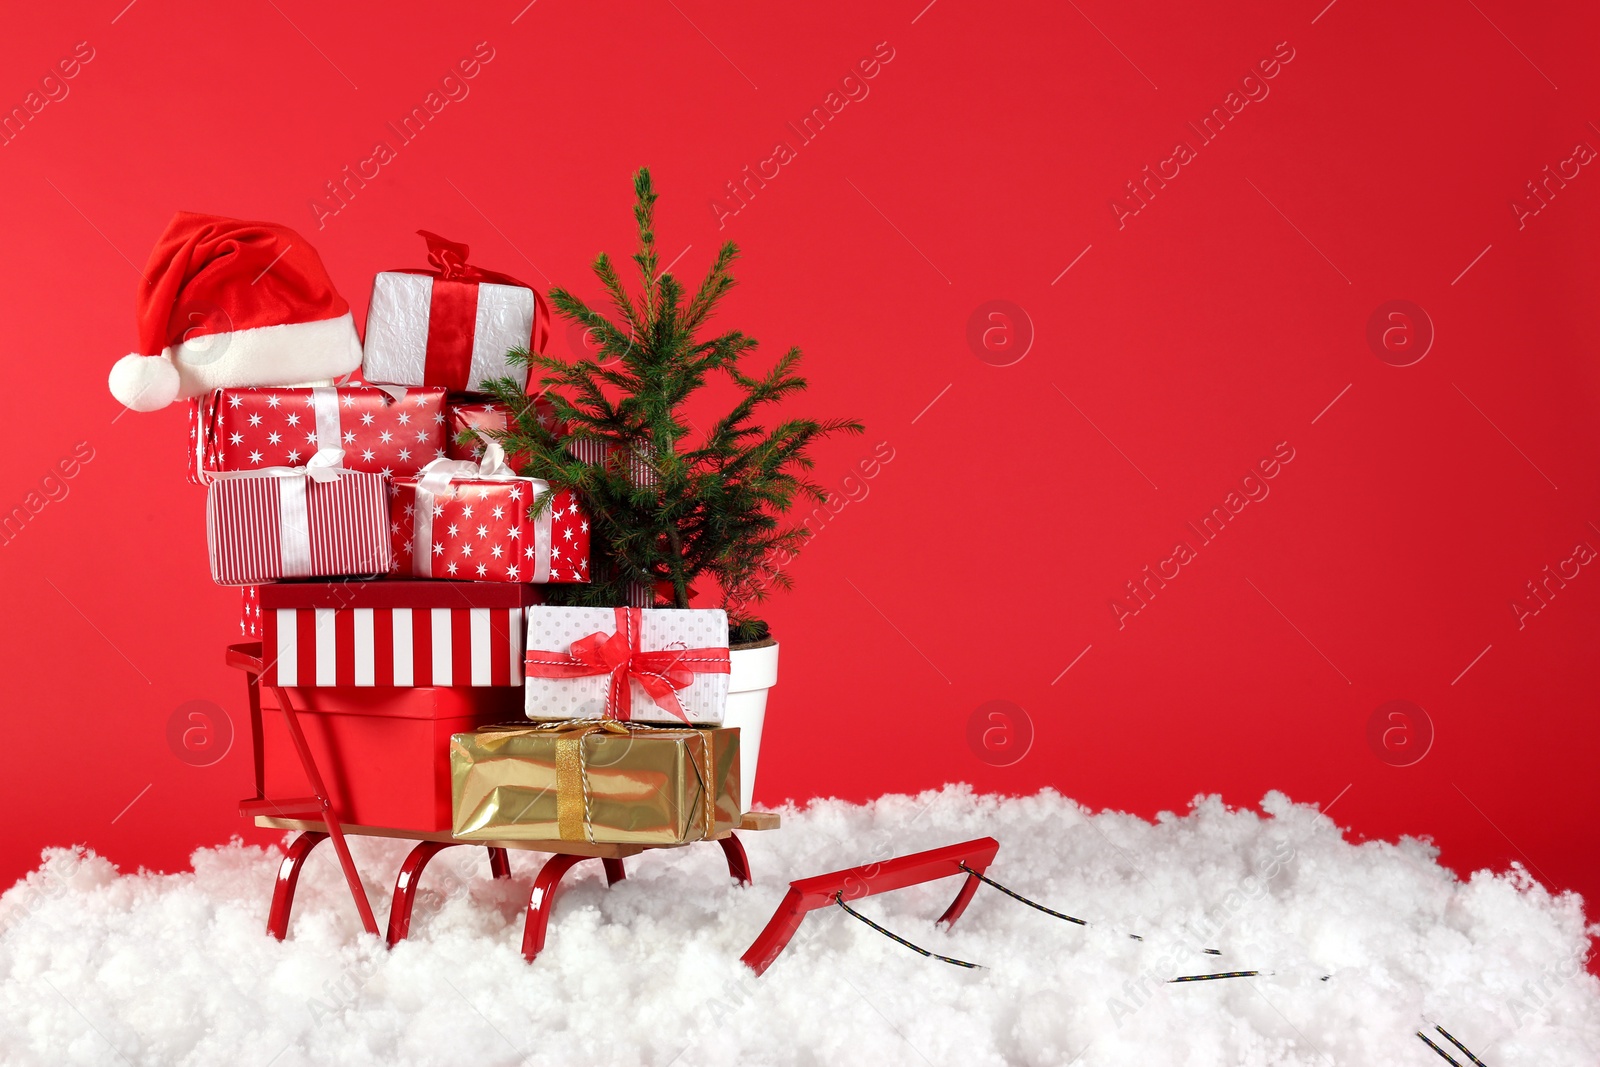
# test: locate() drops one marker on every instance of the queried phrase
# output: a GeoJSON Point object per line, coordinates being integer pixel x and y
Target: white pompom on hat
{"type": "Point", "coordinates": [226, 304]}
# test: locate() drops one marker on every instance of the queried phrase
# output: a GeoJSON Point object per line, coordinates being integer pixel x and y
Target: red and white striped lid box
{"type": "Point", "coordinates": [393, 632]}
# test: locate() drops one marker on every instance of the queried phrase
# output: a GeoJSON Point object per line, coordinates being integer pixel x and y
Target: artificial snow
{"type": "Point", "coordinates": [98, 967]}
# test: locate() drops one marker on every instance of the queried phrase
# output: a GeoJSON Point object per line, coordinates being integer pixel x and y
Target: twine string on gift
{"type": "Point", "coordinates": [583, 778]}
{"type": "Point", "coordinates": [572, 767]}
{"type": "Point", "coordinates": [838, 898]}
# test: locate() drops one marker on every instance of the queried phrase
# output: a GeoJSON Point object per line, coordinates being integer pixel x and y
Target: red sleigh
{"type": "Point", "coordinates": [320, 817]}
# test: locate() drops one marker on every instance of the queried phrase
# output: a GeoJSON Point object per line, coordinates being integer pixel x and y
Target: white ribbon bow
{"type": "Point", "coordinates": [441, 472]}
{"type": "Point", "coordinates": [325, 465]}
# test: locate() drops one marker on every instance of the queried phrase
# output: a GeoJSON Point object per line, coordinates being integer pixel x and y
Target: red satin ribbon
{"type": "Point", "coordinates": [661, 673]}
{"type": "Point", "coordinates": [453, 312]}
{"type": "Point", "coordinates": [452, 319]}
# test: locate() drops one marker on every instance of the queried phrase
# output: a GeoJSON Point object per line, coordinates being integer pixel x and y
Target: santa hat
{"type": "Point", "coordinates": [230, 303]}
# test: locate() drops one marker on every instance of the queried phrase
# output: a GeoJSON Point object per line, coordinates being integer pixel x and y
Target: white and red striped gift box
{"type": "Point", "coordinates": [297, 523]}
{"type": "Point", "coordinates": [393, 633]}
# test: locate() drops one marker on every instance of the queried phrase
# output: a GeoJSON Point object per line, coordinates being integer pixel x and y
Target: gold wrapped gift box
{"type": "Point", "coordinates": [602, 782]}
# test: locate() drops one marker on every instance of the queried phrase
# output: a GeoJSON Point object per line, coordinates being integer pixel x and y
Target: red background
{"type": "Point", "coordinates": [1222, 319]}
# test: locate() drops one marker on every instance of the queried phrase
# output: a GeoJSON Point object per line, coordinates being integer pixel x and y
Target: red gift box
{"type": "Point", "coordinates": [392, 632]}
{"type": "Point", "coordinates": [479, 415]}
{"type": "Point", "coordinates": [250, 612]}
{"type": "Point", "coordinates": [379, 433]}
{"type": "Point", "coordinates": [471, 521]}
{"type": "Point", "coordinates": [316, 521]}
{"type": "Point", "coordinates": [383, 753]}
{"type": "Point", "coordinates": [452, 325]}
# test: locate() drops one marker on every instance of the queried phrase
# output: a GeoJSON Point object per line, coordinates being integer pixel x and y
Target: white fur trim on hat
{"type": "Point", "coordinates": [264, 355]}
{"type": "Point", "coordinates": [145, 383]}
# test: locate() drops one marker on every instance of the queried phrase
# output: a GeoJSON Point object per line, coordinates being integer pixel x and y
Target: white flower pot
{"type": "Point", "coordinates": [751, 672]}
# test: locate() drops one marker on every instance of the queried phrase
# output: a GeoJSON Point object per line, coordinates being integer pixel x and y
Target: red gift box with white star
{"type": "Point", "coordinates": [467, 412]}
{"type": "Point", "coordinates": [253, 428]}
{"type": "Point", "coordinates": [479, 529]}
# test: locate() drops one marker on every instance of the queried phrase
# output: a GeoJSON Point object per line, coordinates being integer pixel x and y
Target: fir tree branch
{"type": "Point", "coordinates": [712, 510]}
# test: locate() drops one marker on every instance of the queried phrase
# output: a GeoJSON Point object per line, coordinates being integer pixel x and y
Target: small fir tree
{"type": "Point", "coordinates": [668, 509]}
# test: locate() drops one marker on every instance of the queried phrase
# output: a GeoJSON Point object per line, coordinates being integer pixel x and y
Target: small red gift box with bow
{"type": "Point", "coordinates": [470, 521]}
{"type": "Point", "coordinates": [450, 326]}
{"type": "Point", "coordinates": [482, 416]}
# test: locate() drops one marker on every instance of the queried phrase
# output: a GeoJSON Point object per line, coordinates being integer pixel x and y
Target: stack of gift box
{"type": "Point", "coordinates": [394, 570]}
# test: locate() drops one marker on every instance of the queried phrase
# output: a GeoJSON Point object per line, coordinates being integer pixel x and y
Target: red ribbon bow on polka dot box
{"type": "Point", "coordinates": [630, 664]}
{"type": "Point", "coordinates": [380, 431]}
{"type": "Point", "coordinates": [471, 521]}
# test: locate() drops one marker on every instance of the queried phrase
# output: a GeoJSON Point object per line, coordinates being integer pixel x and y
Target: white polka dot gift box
{"type": "Point", "coordinates": [380, 431]}
{"type": "Point", "coordinates": [481, 522]}
{"type": "Point", "coordinates": [653, 665]}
